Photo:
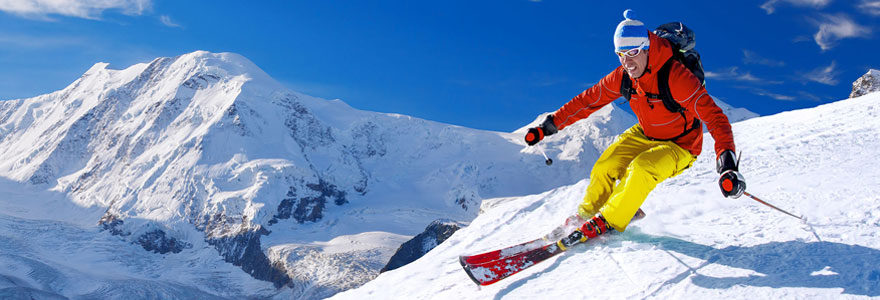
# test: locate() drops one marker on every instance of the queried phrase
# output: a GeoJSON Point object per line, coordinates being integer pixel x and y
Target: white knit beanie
{"type": "Point", "coordinates": [630, 33]}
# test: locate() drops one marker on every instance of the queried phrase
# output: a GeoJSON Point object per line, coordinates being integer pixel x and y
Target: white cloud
{"type": "Point", "coordinates": [87, 9]}
{"type": "Point", "coordinates": [809, 96]}
{"type": "Point", "coordinates": [824, 75]}
{"type": "Point", "coordinates": [750, 57]}
{"type": "Point", "coordinates": [871, 7]}
{"type": "Point", "coordinates": [733, 74]}
{"type": "Point", "coordinates": [776, 96]}
{"type": "Point", "coordinates": [747, 77]}
{"type": "Point", "coordinates": [833, 28]}
{"type": "Point", "coordinates": [770, 5]}
{"type": "Point", "coordinates": [166, 20]}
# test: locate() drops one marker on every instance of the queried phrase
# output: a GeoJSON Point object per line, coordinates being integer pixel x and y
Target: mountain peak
{"type": "Point", "coordinates": [97, 67]}
{"type": "Point", "coordinates": [232, 62]}
{"type": "Point", "coordinates": [868, 83]}
{"type": "Point", "coordinates": [224, 65]}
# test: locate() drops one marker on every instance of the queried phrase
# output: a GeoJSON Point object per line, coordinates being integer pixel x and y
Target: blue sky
{"type": "Point", "coordinates": [491, 65]}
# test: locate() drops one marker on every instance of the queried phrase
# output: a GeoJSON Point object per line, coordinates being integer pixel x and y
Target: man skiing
{"type": "Point", "coordinates": [661, 145]}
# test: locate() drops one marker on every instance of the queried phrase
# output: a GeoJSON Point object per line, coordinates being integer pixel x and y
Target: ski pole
{"type": "Point", "coordinates": [774, 207]}
{"type": "Point", "coordinates": [547, 160]}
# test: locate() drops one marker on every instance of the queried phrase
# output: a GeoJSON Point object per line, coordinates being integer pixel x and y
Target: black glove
{"type": "Point", "coordinates": [536, 134]}
{"type": "Point", "coordinates": [732, 183]}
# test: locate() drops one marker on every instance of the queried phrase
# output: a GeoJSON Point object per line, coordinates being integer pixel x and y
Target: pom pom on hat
{"type": "Point", "coordinates": [630, 33]}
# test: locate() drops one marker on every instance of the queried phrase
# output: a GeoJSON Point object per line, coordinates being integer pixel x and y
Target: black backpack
{"type": "Point", "coordinates": [683, 40]}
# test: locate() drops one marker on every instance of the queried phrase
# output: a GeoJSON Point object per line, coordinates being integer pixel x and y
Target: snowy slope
{"type": "Point", "coordinates": [204, 162]}
{"type": "Point", "coordinates": [695, 244]}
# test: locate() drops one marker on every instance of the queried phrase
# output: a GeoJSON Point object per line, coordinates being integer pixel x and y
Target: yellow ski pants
{"type": "Point", "coordinates": [627, 171]}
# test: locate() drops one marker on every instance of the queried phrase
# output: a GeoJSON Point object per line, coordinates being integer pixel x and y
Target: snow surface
{"type": "Point", "coordinates": [50, 248]}
{"type": "Point", "coordinates": [695, 244]}
{"type": "Point", "coordinates": [205, 146]}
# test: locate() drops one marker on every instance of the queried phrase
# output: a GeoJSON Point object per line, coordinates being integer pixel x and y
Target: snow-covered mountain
{"type": "Point", "coordinates": [868, 83]}
{"type": "Point", "coordinates": [734, 114]}
{"type": "Point", "coordinates": [192, 163]}
{"type": "Point", "coordinates": [695, 244]}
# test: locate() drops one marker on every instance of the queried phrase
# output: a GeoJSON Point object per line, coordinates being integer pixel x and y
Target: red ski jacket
{"type": "Point", "coordinates": [658, 122]}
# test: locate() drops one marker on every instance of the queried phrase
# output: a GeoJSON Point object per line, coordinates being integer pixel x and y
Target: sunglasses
{"type": "Point", "coordinates": [629, 53]}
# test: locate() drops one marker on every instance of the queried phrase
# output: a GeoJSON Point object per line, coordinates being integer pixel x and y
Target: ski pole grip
{"type": "Point", "coordinates": [727, 185]}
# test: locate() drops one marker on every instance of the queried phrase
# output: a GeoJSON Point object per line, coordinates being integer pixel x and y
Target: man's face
{"type": "Point", "coordinates": [636, 64]}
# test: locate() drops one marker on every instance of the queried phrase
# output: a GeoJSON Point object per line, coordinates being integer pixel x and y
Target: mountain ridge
{"type": "Point", "coordinates": [207, 151]}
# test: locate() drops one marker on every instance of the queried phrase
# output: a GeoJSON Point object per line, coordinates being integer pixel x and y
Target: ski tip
{"type": "Point", "coordinates": [461, 260]}
{"type": "Point", "coordinates": [464, 265]}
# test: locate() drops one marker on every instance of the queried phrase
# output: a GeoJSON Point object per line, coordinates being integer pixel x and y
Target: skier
{"type": "Point", "coordinates": [661, 145]}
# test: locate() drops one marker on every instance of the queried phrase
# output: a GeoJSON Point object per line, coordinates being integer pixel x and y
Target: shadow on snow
{"type": "Point", "coordinates": [853, 268]}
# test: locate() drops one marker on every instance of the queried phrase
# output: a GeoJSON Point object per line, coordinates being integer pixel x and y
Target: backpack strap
{"type": "Point", "coordinates": [669, 102]}
{"type": "Point", "coordinates": [663, 87]}
{"type": "Point", "coordinates": [664, 95]}
{"type": "Point", "coordinates": [696, 125]}
{"type": "Point", "coordinates": [626, 89]}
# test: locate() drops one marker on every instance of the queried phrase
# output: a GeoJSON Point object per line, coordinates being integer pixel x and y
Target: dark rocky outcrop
{"type": "Point", "coordinates": [238, 242]}
{"type": "Point", "coordinates": [113, 224]}
{"type": "Point", "coordinates": [244, 250]}
{"type": "Point", "coordinates": [158, 242]}
{"type": "Point", "coordinates": [868, 83]}
{"type": "Point", "coordinates": [155, 240]}
{"type": "Point", "coordinates": [309, 208]}
{"type": "Point", "coordinates": [434, 235]}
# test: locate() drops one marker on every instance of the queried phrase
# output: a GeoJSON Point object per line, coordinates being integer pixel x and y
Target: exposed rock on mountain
{"type": "Point", "coordinates": [417, 247]}
{"type": "Point", "coordinates": [868, 83]}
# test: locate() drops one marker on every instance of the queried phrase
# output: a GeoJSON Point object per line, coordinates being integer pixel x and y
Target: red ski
{"type": "Point", "coordinates": [491, 267]}
{"type": "Point", "coordinates": [569, 226]}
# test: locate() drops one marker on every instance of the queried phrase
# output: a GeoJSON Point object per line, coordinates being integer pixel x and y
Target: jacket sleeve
{"type": "Point", "coordinates": [590, 100]}
{"type": "Point", "coordinates": [692, 95]}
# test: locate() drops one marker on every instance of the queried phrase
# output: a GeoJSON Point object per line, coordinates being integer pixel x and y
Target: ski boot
{"type": "Point", "coordinates": [592, 228]}
{"type": "Point", "coordinates": [595, 226]}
